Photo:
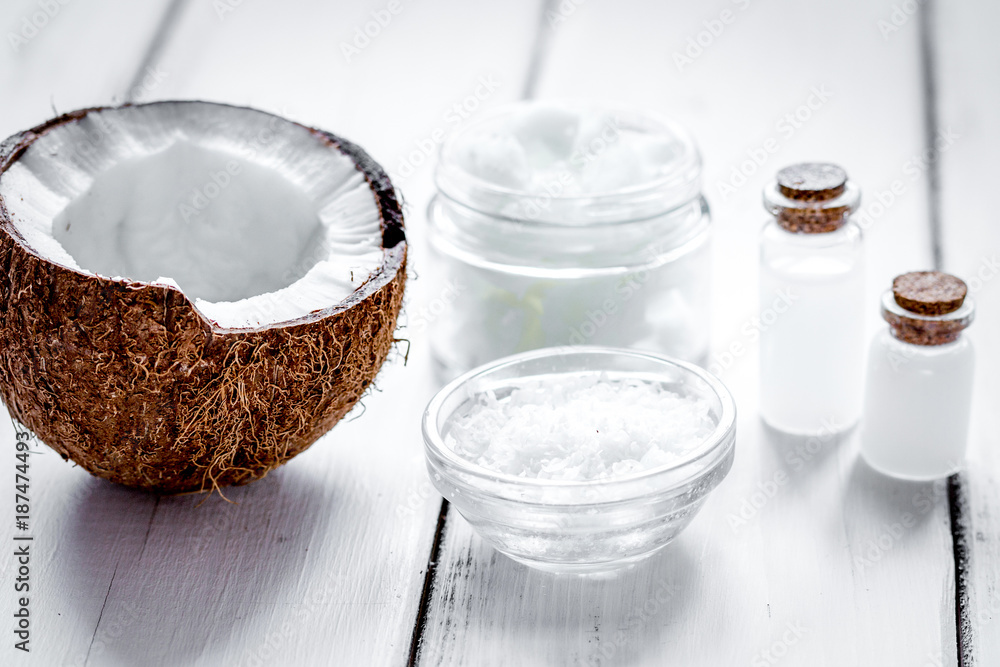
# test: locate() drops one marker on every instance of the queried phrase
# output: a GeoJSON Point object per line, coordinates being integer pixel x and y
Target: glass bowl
{"type": "Point", "coordinates": [580, 526]}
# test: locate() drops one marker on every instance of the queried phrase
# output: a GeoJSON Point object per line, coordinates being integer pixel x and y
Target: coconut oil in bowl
{"type": "Point", "coordinates": [558, 224]}
{"type": "Point", "coordinates": [580, 459]}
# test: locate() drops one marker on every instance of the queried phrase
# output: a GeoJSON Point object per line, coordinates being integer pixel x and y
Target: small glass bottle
{"type": "Point", "coordinates": [811, 318]}
{"type": "Point", "coordinates": [919, 384]}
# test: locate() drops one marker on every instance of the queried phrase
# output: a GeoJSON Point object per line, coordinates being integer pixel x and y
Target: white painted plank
{"type": "Point", "coordinates": [968, 58]}
{"type": "Point", "coordinates": [323, 561]}
{"type": "Point", "coordinates": [77, 54]}
{"type": "Point", "coordinates": [59, 55]}
{"type": "Point", "coordinates": [797, 578]}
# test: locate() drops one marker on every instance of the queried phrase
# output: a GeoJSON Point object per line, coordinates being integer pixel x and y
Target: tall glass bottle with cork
{"type": "Point", "coordinates": [812, 278]}
{"type": "Point", "coordinates": [919, 388]}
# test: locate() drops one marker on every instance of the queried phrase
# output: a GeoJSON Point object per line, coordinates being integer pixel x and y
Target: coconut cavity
{"type": "Point", "coordinates": [257, 222]}
{"type": "Point", "coordinates": [222, 228]}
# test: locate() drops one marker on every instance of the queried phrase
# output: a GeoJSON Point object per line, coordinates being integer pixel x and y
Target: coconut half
{"type": "Point", "coordinates": [191, 293]}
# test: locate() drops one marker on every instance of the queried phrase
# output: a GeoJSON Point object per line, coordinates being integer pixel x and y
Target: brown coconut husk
{"type": "Point", "coordinates": [132, 383]}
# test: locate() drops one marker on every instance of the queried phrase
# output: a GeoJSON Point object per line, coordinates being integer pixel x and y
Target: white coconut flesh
{"type": "Point", "coordinates": [257, 220]}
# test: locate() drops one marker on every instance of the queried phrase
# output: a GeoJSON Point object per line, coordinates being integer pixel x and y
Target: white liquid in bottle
{"type": "Point", "coordinates": [918, 392]}
{"type": "Point", "coordinates": [812, 303]}
{"type": "Point", "coordinates": [812, 355]}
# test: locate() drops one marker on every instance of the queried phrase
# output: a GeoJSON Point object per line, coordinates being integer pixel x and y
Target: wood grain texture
{"type": "Point", "coordinates": [840, 558]}
{"type": "Point", "coordinates": [80, 55]}
{"type": "Point", "coordinates": [60, 56]}
{"type": "Point", "coordinates": [322, 562]}
{"type": "Point", "coordinates": [967, 58]}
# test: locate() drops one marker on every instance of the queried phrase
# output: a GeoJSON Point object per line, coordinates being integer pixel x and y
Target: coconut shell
{"type": "Point", "coordinates": [132, 383]}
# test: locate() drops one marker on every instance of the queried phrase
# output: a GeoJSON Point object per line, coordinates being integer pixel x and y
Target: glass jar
{"type": "Point", "coordinates": [559, 224]}
{"type": "Point", "coordinates": [812, 288]}
{"type": "Point", "coordinates": [918, 392]}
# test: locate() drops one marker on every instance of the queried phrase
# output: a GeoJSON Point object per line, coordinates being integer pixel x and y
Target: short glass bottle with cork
{"type": "Point", "coordinates": [811, 302]}
{"type": "Point", "coordinates": [919, 385]}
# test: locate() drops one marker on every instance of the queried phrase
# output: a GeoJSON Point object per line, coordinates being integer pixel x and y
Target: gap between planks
{"type": "Point", "coordinates": [165, 26]}
{"type": "Point", "coordinates": [161, 37]}
{"type": "Point", "coordinates": [957, 502]}
{"type": "Point", "coordinates": [957, 505]}
{"type": "Point", "coordinates": [536, 63]}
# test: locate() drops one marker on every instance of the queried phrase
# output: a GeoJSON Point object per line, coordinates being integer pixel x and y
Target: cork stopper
{"type": "Point", "coordinates": [929, 292]}
{"type": "Point", "coordinates": [811, 198]}
{"type": "Point", "coordinates": [927, 308]}
{"type": "Point", "coordinates": [812, 181]}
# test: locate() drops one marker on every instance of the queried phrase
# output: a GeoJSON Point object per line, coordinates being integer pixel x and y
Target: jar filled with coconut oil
{"type": "Point", "coordinates": [560, 224]}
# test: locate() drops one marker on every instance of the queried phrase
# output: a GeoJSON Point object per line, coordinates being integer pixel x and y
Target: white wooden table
{"type": "Point", "coordinates": [346, 556]}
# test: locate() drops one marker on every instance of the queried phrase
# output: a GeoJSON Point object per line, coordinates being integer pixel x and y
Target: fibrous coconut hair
{"type": "Point", "coordinates": [133, 382]}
